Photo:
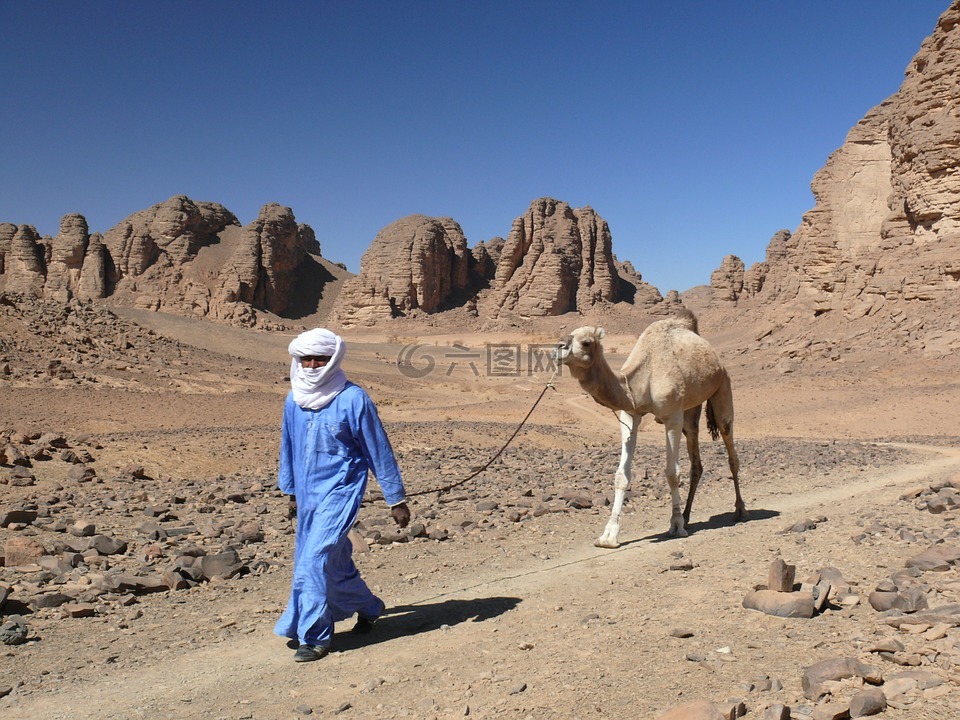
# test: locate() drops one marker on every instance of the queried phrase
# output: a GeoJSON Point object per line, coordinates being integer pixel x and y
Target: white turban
{"type": "Point", "coordinates": [314, 388]}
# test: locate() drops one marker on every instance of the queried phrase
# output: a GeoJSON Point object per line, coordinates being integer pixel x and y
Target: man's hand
{"type": "Point", "coordinates": [401, 514]}
{"type": "Point", "coordinates": [292, 508]}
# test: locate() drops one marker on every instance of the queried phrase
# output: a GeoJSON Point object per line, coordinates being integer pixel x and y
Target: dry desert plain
{"type": "Point", "coordinates": [502, 607]}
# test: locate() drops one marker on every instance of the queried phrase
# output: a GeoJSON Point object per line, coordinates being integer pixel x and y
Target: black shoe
{"type": "Point", "coordinates": [363, 626]}
{"type": "Point", "coordinates": [309, 653]}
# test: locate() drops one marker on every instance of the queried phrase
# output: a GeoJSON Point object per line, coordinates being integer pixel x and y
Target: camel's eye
{"type": "Point", "coordinates": [587, 343]}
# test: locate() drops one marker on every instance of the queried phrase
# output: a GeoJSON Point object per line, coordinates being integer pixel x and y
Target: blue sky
{"type": "Point", "coordinates": [693, 127]}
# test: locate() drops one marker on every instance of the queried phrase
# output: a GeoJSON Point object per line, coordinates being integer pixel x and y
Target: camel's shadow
{"type": "Point", "coordinates": [716, 522]}
{"type": "Point", "coordinates": [404, 620]}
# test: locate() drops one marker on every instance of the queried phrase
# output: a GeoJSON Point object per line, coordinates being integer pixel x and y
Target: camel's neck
{"type": "Point", "coordinates": [605, 385]}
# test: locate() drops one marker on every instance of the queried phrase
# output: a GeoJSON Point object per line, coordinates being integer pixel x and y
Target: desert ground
{"type": "Point", "coordinates": [502, 606]}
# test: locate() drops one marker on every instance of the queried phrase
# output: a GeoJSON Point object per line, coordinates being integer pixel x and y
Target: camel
{"type": "Point", "coordinates": [670, 373]}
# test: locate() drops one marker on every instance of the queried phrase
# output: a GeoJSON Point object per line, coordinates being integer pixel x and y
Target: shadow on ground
{"type": "Point", "coordinates": [404, 620]}
{"type": "Point", "coordinates": [716, 522]}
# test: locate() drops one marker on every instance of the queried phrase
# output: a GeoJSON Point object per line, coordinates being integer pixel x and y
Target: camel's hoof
{"type": "Point", "coordinates": [740, 515]}
{"type": "Point", "coordinates": [606, 543]}
{"type": "Point", "coordinates": [677, 532]}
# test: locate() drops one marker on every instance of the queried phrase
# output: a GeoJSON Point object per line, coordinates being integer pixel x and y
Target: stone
{"type": "Point", "coordinates": [889, 645]}
{"type": "Point", "coordinates": [921, 679]}
{"type": "Point", "coordinates": [831, 711]}
{"type": "Point", "coordinates": [22, 551]}
{"type": "Point", "coordinates": [223, 565]}
{"type": "Point", "coordinates": [79, 609]}
{"type": "Point", "coordinates": [81, 474]}
{"type": "Point", "coordinates": [821, 593]}
{"type": "Point", "coordinates": [910, 600]}
{"type": "Point", "coordinates": [82, 528]}
{"type": "Point", "coordinates": [50, 600]}
{"type": "Point", "coordinates": [882, 601]}
{"type": "Point", "coordinates": [106, 545]}
{"type": "Point", "coordinates": [13, 632]}
{"type": "Point", "coordinates": [776, 712]}
{"type": "Point", "coordinates": [834, 669]}
{"type": "Point", "coordinates": [732, 709]}
{"type": "Point", "coordinates": [19, 517]}
{"type": "Point", "coordinates": [938, 558]}
{"type": "Point", "coordinates": [135, 584]}
{"type": "Point", "coordinates": [781, 576]}
{"type": "Point", "coordinates": [798, 604]}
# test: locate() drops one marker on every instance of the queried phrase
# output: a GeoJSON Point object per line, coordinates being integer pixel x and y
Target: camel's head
{"type": "Point", "coordinates": [581, 348]}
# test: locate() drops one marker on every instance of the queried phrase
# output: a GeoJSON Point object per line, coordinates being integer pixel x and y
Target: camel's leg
{"type": "Point", "coordinates": [691, 430]}
{"type": "Point", "coordinates": [628, 441]}
{"type": "Point", "coordinates": [722, 408]}
{"type": "Point", "coordinates": [674, 429]}
{"type": "Point", "coordinates": [740, 511]}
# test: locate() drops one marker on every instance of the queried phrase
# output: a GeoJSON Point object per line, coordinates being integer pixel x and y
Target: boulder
{"type": "Point", "coordinates": [798, 604]}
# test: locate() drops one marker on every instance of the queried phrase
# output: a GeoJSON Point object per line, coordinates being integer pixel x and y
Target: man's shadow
{"type": "Point", "coordinates": [404, 620]}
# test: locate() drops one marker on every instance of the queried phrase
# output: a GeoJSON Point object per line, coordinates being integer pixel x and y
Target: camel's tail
{"type": "Point", "coordinates": [712, 422]}
{"type": "Point", "coordinates": [720, 410]}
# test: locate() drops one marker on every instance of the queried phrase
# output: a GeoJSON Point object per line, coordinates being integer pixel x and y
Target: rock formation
{"type": "Point", "coordinates": [883, 240]}
{"type": "Point", "coordinates": [417, 264]}
{"type": "Point", "coordinates": [67, 253]}
{"type": "Point", "coordinates": [24, 267]}
{"type": "Point", "coordinates": [727, 280]}
{"type": "Point", "coordinates": [155, 242]}
{"type": "Point", "coordinates": [556, 259]}
{"type": "Point", "coordinates": [180, 255]}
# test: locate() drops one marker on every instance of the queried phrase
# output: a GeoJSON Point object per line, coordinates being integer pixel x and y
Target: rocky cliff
{"type": "Point", "coordinates": [882, 244]}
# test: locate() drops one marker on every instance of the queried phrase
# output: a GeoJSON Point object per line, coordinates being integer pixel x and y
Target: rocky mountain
{"type": "Point", "coordinates": [180, 256]}
{"type": "Point", "coordinates": [882, 245]}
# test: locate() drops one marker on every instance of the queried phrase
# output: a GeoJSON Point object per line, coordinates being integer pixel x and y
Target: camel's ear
{"type": "Point", "coordinates": [601, 333]}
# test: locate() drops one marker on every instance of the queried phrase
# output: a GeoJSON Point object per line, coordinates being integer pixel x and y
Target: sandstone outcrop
{"type": "Point", "coordinates": [882, 244]}
{"type": "Point", "coordinates": [556, 259]}
{"type": "Point", "coordinates": [417, 264]}
{"type": "Point", "coordinates": [24, 263]}
{"type": "Point", "coordinates": [67, 252]}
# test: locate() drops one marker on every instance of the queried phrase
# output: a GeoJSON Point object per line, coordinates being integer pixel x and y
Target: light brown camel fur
{"type": "Point", "coordinates": [670, 373]}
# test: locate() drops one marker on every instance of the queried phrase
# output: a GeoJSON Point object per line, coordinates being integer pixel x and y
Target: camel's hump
{"type": "Point", "coordinates": [682, 318]}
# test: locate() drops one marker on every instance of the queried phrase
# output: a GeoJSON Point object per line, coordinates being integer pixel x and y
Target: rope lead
{"type": "Point", "coordinates": [447, 488]}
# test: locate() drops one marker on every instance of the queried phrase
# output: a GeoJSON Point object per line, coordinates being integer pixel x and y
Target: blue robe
{"type": "Point", "coordinates": [324, 458]}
